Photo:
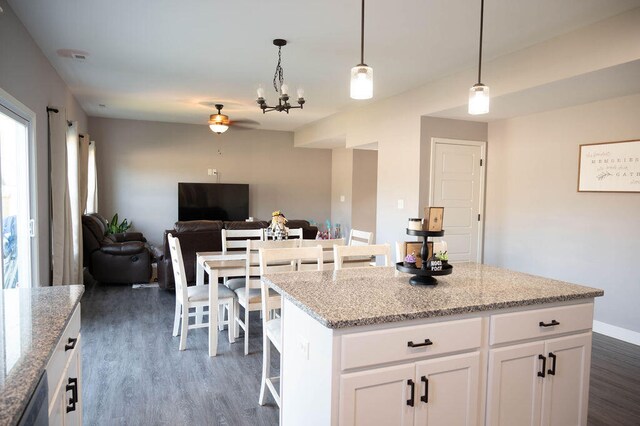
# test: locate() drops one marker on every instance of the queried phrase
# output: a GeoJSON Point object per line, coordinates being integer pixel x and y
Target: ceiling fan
{"type": "Point", "coordinates": [219, 123]}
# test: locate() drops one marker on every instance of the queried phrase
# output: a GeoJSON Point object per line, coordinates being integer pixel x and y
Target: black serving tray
{"type": "Point", "coordinates": [424, 276]}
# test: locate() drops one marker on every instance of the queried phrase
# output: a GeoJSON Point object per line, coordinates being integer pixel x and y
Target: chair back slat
{"type": "Point", "coordinates": [281, 260]}
{"type": "Point", "coordinates": [236, 239]}
{"type": "Point", "coordinates": [253, 258]}
{"type": "Point", "coordinates": [179, 274]}
{"type": "Point", "coordinates": [359, 254]}
{"type": "Point", "coordinates": [360, 238]}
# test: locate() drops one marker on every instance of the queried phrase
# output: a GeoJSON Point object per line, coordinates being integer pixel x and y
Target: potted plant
{"type": "Point", "coordinates": [114, 227]}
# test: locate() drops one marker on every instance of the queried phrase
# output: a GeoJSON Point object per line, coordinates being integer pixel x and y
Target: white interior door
{"type": "Point", "coordinates": [457, 184]}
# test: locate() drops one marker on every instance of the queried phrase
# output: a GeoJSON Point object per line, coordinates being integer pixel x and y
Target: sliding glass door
{"type": "Point", "coordinates": [16, 191]}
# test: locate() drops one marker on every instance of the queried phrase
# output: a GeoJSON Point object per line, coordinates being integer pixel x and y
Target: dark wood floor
{"type": "Point", "coordinates": [133, 373]}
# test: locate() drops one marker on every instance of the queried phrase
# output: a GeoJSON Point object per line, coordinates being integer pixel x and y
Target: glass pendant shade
{"type": "Point", "coordinates": [218, 123]}
{"type": "Point", "coordinates": [361, 82]}
{"type": "Point", "coordinates": [479, 99]}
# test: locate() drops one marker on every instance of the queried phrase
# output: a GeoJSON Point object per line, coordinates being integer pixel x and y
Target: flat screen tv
{"type": "Point", "coordinates": [213, 201]}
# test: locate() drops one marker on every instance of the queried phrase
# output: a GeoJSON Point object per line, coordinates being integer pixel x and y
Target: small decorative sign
{"type": "Point", "coordinates": [435, 265]}
{"type": "Point", "coordinates": [433, 217]}
{"type": "Point", "coordinates": [609, 167]}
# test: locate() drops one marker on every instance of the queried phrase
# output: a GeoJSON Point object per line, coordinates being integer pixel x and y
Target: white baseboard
{"type": "Point", "coordinates": [619, 333]}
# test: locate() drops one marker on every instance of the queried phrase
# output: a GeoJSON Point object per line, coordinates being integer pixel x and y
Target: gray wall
{"type": "Point", "coordinates": [365, 188]}
{"type": "Point", "coordinates": [341, 185]}
{"type": "Point", "coordinates": [140, 164]}
{"type": "Point", "coordinates": [434, 127]}
{"type": "Point", "coordinates": [537, 222]}
{"type": "Point", "coordinates": [27, 75]}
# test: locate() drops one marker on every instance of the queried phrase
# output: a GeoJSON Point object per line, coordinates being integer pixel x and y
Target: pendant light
{"type": "Point", "coordinates": [362, 74]}
{"type": "Point", "coordinates": [479, 93]}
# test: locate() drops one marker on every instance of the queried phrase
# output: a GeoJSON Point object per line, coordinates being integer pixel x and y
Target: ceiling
{"type": "Point", "coordinates": [167, 60]}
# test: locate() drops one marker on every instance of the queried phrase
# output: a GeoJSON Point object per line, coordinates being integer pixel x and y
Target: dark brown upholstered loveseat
{"type": "Point", "coordinates": [205, 235]}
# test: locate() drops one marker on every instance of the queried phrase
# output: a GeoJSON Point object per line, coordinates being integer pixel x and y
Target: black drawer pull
{"type": "Point", "coordinates": [72, 344]}
{"type": "Point", "coordinates": [544, 365]}
{"type": "Point", "coordinates": [425, 398]}
{"type": "Point", "coordinates": [549, 324]}
{"type": "Point", "coordinates": [411, 401]}
{"type": "Point", "coordinates": [73, 387]}
{"type": "Point", "coordinates": [552, 370]}
{"type": "Point", "coordinates": [427, 342]}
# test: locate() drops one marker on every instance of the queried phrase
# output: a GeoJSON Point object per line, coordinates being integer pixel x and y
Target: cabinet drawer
{"type": "Point", "coordinates": [538, 323]}
{"type": "Point", "coordinates": [382, 346]}
{"type": "Point", "coordinates": [60, 357]}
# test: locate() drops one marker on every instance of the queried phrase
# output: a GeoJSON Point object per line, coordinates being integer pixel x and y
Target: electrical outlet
{"type": "Point", "coordinates": [214, 172]}
{"type": "Point", "coordinates": [303, 345]}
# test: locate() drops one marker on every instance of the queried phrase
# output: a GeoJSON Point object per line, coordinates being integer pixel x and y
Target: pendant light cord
{"type": "Point", "coordinates": [480, 50]}
{"type": "Point", "coordinates": [362, 36]}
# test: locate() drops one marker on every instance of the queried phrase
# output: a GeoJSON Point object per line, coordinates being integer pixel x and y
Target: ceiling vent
{"type": "Point", "coordinates": [78, 55]}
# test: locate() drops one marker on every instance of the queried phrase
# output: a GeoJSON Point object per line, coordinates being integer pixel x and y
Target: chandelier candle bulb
{"type": "Point", "coordinates": [260, 92]}
{"type": "Point", "coordinates": [300, 93]}
{"type": "Point", "coordinates": [284, 89]}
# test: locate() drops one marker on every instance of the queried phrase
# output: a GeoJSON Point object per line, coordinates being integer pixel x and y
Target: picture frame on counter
{"type": "Point", "coordinates": [414, 247]}
{"type": "Point", "coordinates": [609, 167]}
{"type": "Point", "coordinates": [433, 218]}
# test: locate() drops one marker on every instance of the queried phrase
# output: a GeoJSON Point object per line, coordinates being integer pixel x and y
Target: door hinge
{"type": "Point", "coordinates": [32, 228]}
{"type": "Point", "coordinates": [478, 217]}
{"type": "Point", "coordinates": [481, 162]}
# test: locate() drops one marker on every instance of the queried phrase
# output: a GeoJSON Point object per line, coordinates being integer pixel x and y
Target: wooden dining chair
{"type": "Point", "coordinates": [327, 252]}
{"type": "Point", "coordinates": [249, 296]}
{"type": "Point", "coordinates": [360, 238]}
{"type": "Point", "coordinates": [195, 297]}
{"type": "Point", "coordinates": [360, 255]}
{"type": "Point", "coordinates": [278, 260]}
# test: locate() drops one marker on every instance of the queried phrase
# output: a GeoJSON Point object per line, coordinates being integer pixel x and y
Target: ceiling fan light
{"type": "Point", "coordinates": [479, 99]}
{"type": "Point", "coordinates": [361, 82]}
{"type": "Point", "coordinates": [218, 123]}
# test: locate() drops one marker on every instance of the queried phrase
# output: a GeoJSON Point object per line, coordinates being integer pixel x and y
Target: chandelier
{"type": "Point", "coordinates": [281, 89]}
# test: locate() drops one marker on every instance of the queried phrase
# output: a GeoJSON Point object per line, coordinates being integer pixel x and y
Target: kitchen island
{"type": "Point", "coordinates": [484, 346]}
{"type": "Point", "coordinates": [33, 323]}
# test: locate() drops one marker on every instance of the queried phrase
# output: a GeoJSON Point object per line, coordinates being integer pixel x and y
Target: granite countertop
{"type": "Point", "coordinates": [31, 323]}
{"type": "Point", "coordinates": [363, 296]}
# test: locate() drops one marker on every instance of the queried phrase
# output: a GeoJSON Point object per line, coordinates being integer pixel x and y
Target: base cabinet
{"type": "Point", "coordinates": [440, 391]}
{"type": "Point", "coordinates": [540, 383]}
{"type": "Point", "coordinates": [64, 372]}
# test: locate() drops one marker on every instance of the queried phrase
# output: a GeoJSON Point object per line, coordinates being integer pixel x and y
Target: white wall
{"type": "Point", "coordinates": [365, 190]}
{"type": "Point", "coordinates": [140, 164]}
{"type": "Point", "coordinates": [28, 76]}
{"type": "Point", "coordinates": [341, 186]}
{"type": "Point", "coordinates": [537, 222]}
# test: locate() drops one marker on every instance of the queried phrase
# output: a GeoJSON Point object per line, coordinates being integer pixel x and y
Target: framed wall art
{"type": "Point", "coordinates": [609, 167]}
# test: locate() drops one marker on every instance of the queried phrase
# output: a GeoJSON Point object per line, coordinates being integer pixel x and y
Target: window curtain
{"type": "Point", "coordinates": [66, 262]}
{"type": "Point", "coordinates": [92, 178]}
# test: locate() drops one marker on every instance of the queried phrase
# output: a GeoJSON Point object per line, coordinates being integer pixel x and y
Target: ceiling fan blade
{"type": "Point", "coordinates": [245, 121]}
{"type": "Point", "coordinates": [237, 127]}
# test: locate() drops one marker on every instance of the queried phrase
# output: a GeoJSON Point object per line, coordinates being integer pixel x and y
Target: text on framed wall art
{"type": "Point", "coordinates": [609, 167]}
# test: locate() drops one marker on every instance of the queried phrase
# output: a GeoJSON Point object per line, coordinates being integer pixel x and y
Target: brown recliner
{"type": "Point", "coordinates": [116, 258]}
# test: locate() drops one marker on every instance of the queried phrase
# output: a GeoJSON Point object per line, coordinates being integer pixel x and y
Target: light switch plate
{"type": "Point", "coordinates": [400, 204]}
{"type": "Point", "coordinates": [342, 198]}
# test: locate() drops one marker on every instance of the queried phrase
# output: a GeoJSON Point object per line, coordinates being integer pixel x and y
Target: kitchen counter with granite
{"type": "Point", "coordinates": [364, 296]}
{"type": "Point", "coordinates": [31, 323]}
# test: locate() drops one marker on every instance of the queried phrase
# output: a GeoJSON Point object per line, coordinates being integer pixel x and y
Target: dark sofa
{"type": "Point", "coordinates": [205, 235]}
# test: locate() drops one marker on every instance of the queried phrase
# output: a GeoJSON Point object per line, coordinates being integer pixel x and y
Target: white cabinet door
{"type": "Point", "coordinates": [378, 397]}
{"type": "Point", "coordinates": [448, 390]}
{"type": "Point", "coordinates": [514, 389]}
{"type": "Point", "coordinates": [565, 391]}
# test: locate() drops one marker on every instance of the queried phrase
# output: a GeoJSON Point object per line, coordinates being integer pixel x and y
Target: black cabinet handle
{"type": "Point", "coordinates": [427, 342]}
{"type": "Point", "coordinates": [549, 324]}
{"type": "Point", "coordinates": [425, 398]}
{"type": "Point", "coordinates": [544, 365]}
{"type": "Point", "coordinates": [72, 344]}
{"type": "Point", "coordinates": [411, 401]}
{"type": "Point", "coordinates": [552, 370]}
{"type": "Point", "coordinates": [73, 387]}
